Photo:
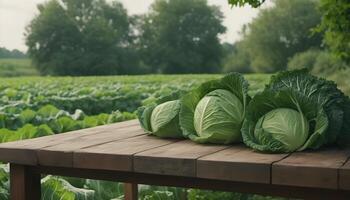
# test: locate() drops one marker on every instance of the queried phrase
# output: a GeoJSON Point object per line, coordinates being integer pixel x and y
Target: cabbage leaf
{"type": "Point", "coordinates": [214, 112]}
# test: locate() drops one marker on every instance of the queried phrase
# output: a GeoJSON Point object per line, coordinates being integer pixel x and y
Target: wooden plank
{"type": "Point", "coordinates": [24, 183]}
{"type": "Point", "coordinates": [238, 163]}
{"type": "Point", "coordinates": [200, 183]}
{"type": "Point", "coordinates": [116, 155]}
{"type": "Point", "coordinates": [62, 154]}
{"type": "Point", "coordinates": [24, 151]}
{"type": "Point", "coordinates": [130, 191]}
{"type": "Point", "coordinates": [344, 176]}
{"type": "Point", "coordinates": [178, 159]}
{"type": "Point", "coordinates": [310, 168]}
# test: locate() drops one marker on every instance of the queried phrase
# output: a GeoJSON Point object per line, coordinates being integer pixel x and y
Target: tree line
{"type": "Point", "coordinates": [15, 53]}
{"type": "Point", "coordinates": [96, 37]}
{"type": "Point", "coordinates": [313, 34]}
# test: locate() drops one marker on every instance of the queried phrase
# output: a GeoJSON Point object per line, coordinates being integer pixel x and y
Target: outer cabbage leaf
{"type": "Point", "coordinates": [266, 101]}
{"type": "Point", "coordinates": [218, 118]}
{"type": "Point", "coordinates": [165, 115]}
{"type": "Point", "coordinates": [55, 188]}
{"type": "Point", "coordinates": [233, 82]}
{"type": "Point", "coordinates": [105, 189]}
{"type": "Point", "coordinates": [324, 93]}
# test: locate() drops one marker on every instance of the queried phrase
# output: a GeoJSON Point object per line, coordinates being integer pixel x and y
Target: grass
{"type": "Point", "coordinates": [16, 67]}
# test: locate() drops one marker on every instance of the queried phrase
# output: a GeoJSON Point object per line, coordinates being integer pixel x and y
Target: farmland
{"type": "Point", "coordinates": [38, 106]}
{"type": "Point", "coordinates": [16, 67]}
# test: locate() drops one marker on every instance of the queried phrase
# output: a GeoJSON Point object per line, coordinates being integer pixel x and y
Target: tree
{"type": "Point", "coordinates": [181, 36]}
{"type": "Point", "coordinates": [281, 31]}
{"type": "Point", "coordinates": [254, 3]}
{"type": "Point", "coordinates": [81, 37]}
{"type": "Point", "coordinates": [336, 25]}
{"type": "Point", "coordinates": [238, 60]}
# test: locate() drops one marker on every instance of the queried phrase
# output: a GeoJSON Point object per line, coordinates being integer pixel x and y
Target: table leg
{"type": "Point", "coordinates": [24, 183]}
{"type": "Point", "coordinates": [130, 191]}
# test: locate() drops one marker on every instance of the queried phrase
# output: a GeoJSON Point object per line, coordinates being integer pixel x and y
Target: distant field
{"type": "Point", "coordinates": [23, 67]}
{"type": "Point", "coordinates": [16, 67]}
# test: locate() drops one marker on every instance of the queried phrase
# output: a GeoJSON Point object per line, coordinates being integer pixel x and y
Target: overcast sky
{"type": "Point", "coordinates": [16, 14]}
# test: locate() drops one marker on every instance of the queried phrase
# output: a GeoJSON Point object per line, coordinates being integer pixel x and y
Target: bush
{"type": "Point", "coordinates": [317, 62]}
{"type": "Point", "coordinates": [238, 60]}
{"type": "Point", "coordinates": [326, 63]}
{"type": "Point", "coordinates": [305, 59]}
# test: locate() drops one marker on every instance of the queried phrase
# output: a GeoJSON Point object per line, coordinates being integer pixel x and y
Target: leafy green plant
{"type": "Point", "coordinates": [296, 111]}
{"type": "Point", "coordinates": [214, 112]}
{"type": "Point", "coordinates": [55, 188]}
{"type": "Point", "coordinates": [162, 118]}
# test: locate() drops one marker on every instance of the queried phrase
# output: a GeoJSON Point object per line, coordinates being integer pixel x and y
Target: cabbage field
{"type": "Point", "coordinates": [38, 106]}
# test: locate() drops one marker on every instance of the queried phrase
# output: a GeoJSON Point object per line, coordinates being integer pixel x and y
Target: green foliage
{"type": "Point", "coordinates": [162, 120]}
{"type": "Point", "coordinates": [228, 100]}
{"type": "Point", "coordinates": [25, 112]}
{"type": "Point", "coordinates": [5, 53]}
{"type": "Point", "coordinates": [317, 62]}
{"type": "Point", "coordinates": [195, 194]}
{"type": "Point", "coordinates": [55, 188]}
{"type": "Point", "coordinates": [257, 138]}
{"type": "Point", "coordinates": [238, 60]}
{"type": "Point", "coordinates": [105, 189]}
{"type": "Point", "coordinates": [325, 107]}
{"type": "Point", "coordinates": [336, 26]}
{"type": "Point", "coordinates": [279, 32]}
{"type": "Point", "coordinates": [326, 63]}
{"type": "Point", "coordinates": [305, 59]}
{"type": "Point", "coordinates": [84, 37]}
{"type": "Point", "coordinates": [342, 79]}
{"type": "Point", "coordinates": [4, 182]}
{"type": "Point", "coordinates": [175, 38]}
{"type": "Point", "coordinates": [16, 67]}
{"type": "Point", "coordinates": [253, 3]}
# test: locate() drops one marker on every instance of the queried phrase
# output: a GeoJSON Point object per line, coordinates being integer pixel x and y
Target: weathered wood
{"type": "Point", "coordinates": [310, 168]}
{"type": "Point", "coordinates": [116, 155]}
{"type": "Point", "coordinates": [124, 153]}
{"type": "Point", "coordinates": [238, 163]}
{"type": "Point", "coordinates": [25, 183]}
{"type": "Point", "coordinates": [208, 184]}
{"type": "Point", "coordinates": [174, 159]}
{"type": "Point", "coordinates": [25, 151]}
{"type": "Point", "coordinates": [344, 176]}
{"type": "Point", "coordinates": [62, 154]}
{"type": "Point", "coordinates": [130, 191]}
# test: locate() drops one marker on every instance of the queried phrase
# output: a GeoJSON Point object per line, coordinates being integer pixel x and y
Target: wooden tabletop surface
{"type": "Point", "coordinates": [125, 147]}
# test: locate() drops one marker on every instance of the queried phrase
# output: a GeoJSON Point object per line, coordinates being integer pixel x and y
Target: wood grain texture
{"type": "Point", "coordinates": [116, 155]}
{"type": "Point", "coordinates": [25, 151]}
{"type": "Point", "coordinates": [310, 168]}
{"type": "Point", "coordinates": [344, 176]}
{"type": "Point", "coordinates": [24, 183]}
{"type": "Point", "coordinates": [207, 184]}
{"type": "Point", "coordinates": [130, 191]}
{"type": "Point", "coordinates": [178, 159]}
{"type": "Point", "coordinates": [62, 154]}
{"type": "Point", "coordinates": [238, 163]}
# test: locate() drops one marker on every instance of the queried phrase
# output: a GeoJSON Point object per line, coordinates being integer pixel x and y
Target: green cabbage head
{"type": "Point", "coordinates": [285, 125]}
{"type": "Point", "coordinates": [280, 121]}
{"type": "Point", "coordinates": [219, 113]}
{"type": "Point", "coordinates": [214, 112]}
{"type": "Point", "coordinates": [162, 120]}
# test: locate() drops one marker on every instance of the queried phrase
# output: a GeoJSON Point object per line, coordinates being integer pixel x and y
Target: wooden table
{"type": "Point", "coordinates": [122, 152]}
